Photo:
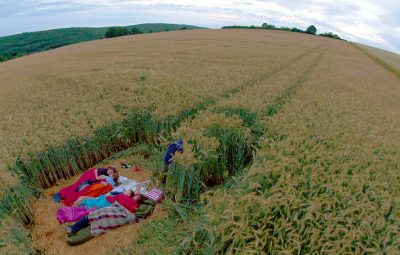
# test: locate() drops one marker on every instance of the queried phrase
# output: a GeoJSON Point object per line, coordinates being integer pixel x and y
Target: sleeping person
{"type": "Point", "coordinates": [72, 192]}
{"type": "Point", "coordinates": [128, 200]}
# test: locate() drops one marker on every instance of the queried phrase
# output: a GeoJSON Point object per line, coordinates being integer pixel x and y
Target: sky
{"type": "Point", "coordinates": [375, 23]}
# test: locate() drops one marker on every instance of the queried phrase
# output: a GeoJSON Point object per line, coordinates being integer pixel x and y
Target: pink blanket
{"type": "Point", "coordinates": [71, 214]}
{"type": "Point", "coordinates": [70, 190]}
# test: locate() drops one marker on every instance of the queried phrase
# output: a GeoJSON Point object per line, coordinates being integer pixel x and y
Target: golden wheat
{"type": "Point", "coordinates": [325, 177]}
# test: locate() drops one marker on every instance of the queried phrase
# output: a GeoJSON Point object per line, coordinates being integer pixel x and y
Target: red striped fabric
{"type": "Point", "coordinates": [156, 195]}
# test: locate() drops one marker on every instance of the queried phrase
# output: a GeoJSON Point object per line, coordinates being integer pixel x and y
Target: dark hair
{"type": "Point", "coordinates": [131, 194]}
{"type": "Point", "coordinates": [140, 199]}
{"type": "Point", "coordinates": [112, 168]}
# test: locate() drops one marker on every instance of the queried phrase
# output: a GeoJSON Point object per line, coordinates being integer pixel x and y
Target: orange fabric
{"type": "Point", "coordinates": [98, 189]}
{"type": "Point", "coordinates": [94, 190]}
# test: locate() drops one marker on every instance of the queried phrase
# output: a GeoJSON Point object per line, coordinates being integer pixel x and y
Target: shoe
{"type": "Point", "coordinates": [126, 165]}
{"type": "Point", "coordinates": [69, 230]}
{"type": "Point", "coordinates": [57, 198]}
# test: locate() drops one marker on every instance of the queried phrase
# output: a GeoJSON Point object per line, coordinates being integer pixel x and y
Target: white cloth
{"type": "Point", "coordinates": [129, 184]}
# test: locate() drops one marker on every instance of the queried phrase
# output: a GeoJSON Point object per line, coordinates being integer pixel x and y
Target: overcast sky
{"type": "Point", "coordinates": [375, 23]}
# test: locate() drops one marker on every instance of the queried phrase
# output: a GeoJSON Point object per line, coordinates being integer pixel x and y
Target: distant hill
{"type": "Point", "coordinates": [27, 43]}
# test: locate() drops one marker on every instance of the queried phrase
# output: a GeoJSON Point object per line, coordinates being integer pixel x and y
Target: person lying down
{"type": "Point", "coordinates": [129, 199]}
{"type": "Point", "coordinates": [93, 182]}
{"type": "Point", "coordinates": [122, 209]}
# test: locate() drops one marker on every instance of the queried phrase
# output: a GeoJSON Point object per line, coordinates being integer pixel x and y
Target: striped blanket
{"type": "Point", "coordinates": [108, 218]}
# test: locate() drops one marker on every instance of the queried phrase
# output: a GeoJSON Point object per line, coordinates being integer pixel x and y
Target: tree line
{"type": "Point", "coordinates": [310, 30]}
{"type": "Point", "coordinates": [122, 31]}
{"type": "Point", "coordinates": [27, 43]}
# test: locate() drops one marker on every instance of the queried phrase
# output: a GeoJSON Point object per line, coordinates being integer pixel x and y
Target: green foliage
{"type": "Point", "coordinates": [267, 26]}
{"type": "Point", "coordinates": [135, 31]}
{"type": "Point", "coordinates": [241, 27]}
{"type": "Point", "coordinates": [14, 46]}
{"type": "Point", "coordinates": [211, 169]}
{"type": "Point", "coordinates": [331, 35]}
{"type": "Point", "coordinates": [41, 170]}
{"type": "Point", "coordinates": [164, 236]}
{"type": "Point", "coordinates": [16, 203]}
{"type": "Point", "coordinates": [15, 239]}
{"type": "Point", "coordinates": [121, 109]}
{"type": "Point", "coordinates": [26, 43]}
{"type": "Point", "coordinates": [295, 29]}
{"type": "Point", "coordinates": [250, 120]}
{"type": "Point", "coordinates": [311, 30]}
{"type": "Point", "coordinates": [116, 32]}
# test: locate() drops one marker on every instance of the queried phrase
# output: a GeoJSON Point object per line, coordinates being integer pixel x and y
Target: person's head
{"type": "Point", "coordinates": [111, 170]}
{"type": "Point", "coordinates": [139, 198]}
{"type": "Point", "coordinates": [129, 193]}
{"type": "Point", "coordinates": [113, 173]}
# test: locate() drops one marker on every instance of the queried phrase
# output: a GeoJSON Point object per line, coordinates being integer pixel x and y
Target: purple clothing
{"type": "Point", "coordinates": [102, 171]}
{"type": "Point", "coordinates": [71, 214]}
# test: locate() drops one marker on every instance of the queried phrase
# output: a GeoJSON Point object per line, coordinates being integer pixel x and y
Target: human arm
{"type": "Point", "coordinates": [122, 180]}
{"type": "Point", "coordinates": [129, 203]}
{"type": "Point", "coordinates": [101, 178]}
{"type": "Point", "coordinates": [79, 201]}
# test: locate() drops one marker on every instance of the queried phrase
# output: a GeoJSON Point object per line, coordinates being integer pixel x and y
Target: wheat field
{"type": "Point", "coordinates": [387, 56]}
{"type": "Point", "coordinates": [303, 128]}
{"type": "Point", "coordinates": [51, 96]}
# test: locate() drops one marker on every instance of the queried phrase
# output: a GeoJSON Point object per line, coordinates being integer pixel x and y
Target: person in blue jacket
{"type": "Point", "coordinates": [176, 146]}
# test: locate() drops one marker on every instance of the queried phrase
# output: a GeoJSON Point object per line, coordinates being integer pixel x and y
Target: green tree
{"type": "Point", "coordinates": [136, 31]}
{"type": "Point", "coordinates": [267, 26]}
{"type": "Point", "coordinates": [311, 30]}
{"type": "Point", "coordinates": [116, 31]}
{"type": "Point", "coordinates": [295, 29]}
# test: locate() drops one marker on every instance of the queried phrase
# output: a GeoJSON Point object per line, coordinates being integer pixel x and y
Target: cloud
{"type": "Point", "coordinates": [370, 22]}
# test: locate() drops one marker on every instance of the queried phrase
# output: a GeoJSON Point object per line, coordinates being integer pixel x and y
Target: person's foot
{"type": "Point", "coordinates": [57, 198]}
{"type": "Point", "coordinates": [69, 230]}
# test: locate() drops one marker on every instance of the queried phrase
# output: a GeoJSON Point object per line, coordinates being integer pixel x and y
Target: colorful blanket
{"type": "Point", "coordinates": [70, 190]}
{"type": "Point", "coordinates": [93, 190]}
{"type": "Point", "coordinates": [71, 214]}
{"type": "Point", "coordinates": [107, 218]}
{"type": "Point", "coordinates": [96, 202]}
